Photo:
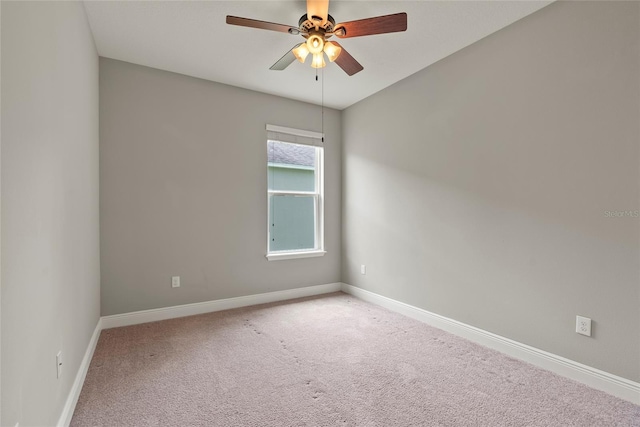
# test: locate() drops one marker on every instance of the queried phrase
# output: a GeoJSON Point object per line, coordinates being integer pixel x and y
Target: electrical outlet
{"type": "Point", "coordinates": [363, 269]}
{"type": "Point", "coordinates": [59, 364]}
{"type": "Point", "coordinates": [175, 282]}
{"type": "Point", "coordinates": [583, 325]}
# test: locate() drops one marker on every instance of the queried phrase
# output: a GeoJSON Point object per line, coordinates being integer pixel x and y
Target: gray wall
{"type": "Point", "coordinates": [50, 224]}
{"type": "Point", "coordinates": [478, 188]}
{"type": "Point", "coordinates": [183, 190]}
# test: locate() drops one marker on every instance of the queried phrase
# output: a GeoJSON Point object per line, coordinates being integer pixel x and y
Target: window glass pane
{"type": "Point", "coordinates": [292, 223]}
{"type": "Point", "coordinates": [291, 167]}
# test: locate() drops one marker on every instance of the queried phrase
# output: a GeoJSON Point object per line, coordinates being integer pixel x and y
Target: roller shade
{"type": "Point", "coordinates": [295, 136]}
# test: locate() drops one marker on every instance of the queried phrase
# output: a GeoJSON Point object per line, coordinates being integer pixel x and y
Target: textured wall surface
{"type": "Point", "coordinates": [50, 205]}
{"type": "Point", "coordinates": [485, 188]}
{"type": "Point", "coordinates": [168, 147]}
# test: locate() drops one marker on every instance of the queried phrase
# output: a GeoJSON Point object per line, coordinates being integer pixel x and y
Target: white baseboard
{"type": "Point", "coordinates": [592, 377]}
{"type": "Point", "coordinates": [76, 387]}
{"type": "Point", "coordinates": [612, 384]}
{"type": "Point", "coordinates": [154, 315]}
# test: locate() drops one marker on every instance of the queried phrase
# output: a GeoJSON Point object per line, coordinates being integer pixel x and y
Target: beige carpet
{"type": "Point", "coordinates": [325, 361]}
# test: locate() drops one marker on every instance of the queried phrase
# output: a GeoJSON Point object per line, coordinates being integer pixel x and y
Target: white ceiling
{"type": "Point", "coordinates": [192, 38]}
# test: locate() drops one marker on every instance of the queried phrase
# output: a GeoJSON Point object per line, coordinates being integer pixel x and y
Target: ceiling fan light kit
{"type": "Point", "coordinates": [316, 46]}
{"type": "Point", "coordinates": [317, 26]}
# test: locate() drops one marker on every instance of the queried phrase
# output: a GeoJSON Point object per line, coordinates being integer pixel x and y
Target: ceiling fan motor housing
{"type": "Point", "coordinates": [307, 25]}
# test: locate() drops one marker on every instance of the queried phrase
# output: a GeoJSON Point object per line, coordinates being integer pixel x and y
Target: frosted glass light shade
{"type": "Point", "coordinates": [332, 50]}
{"type": "Point", "coordinates": [318, 60]}
{"type": "Point", "coordinates": [315, 44]}
{"type": "Point", "coordinates": [300, 52]}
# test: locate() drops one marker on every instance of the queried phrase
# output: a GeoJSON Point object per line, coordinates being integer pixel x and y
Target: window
{"type": "Point", "coordinates": [295, 193]}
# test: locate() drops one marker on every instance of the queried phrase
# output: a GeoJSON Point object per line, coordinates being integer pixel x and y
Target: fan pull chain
{"type": "Point", "coordinates": [322, 102]}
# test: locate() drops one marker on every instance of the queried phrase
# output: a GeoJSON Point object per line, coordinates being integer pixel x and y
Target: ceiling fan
{"type": "Point", "coordinates": [317, 26]}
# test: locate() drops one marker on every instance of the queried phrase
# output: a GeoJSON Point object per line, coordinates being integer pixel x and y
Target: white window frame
{"type": "Point", "coordinates": [318, 195]}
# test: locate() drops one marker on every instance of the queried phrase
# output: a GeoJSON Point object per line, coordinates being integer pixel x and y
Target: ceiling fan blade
{"type": "Point", "coordinates": [347, 62]}
{"type": "Point", "coordinates": [378, 25]}
{"type": "Point", "coordinates": [318, 9]}
{"type": "Point", "coordinates": [285, 61]}
{"type": "Point", "coordinates": [263, 25]}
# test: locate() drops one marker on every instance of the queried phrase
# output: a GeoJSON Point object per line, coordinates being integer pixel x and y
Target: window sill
{"type": "Point", "coordinates": [294, 255]}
